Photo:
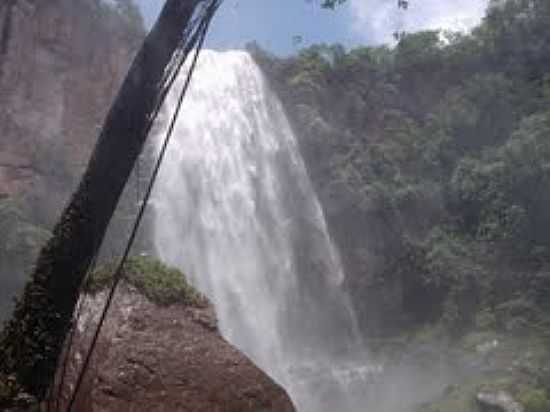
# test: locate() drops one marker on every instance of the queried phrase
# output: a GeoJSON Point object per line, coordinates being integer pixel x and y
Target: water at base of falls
{"type": "Point", "coordinates": [236, 212]}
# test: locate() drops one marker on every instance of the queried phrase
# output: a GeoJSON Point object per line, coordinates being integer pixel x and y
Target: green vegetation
{"type": "Point", "coordinates": [441, 149]}
{"type": "Point", "coordinates": [19, 235]}
{"type": "Point", "coordinates": [446, 140]}
{"type": "Point", "coordinates": [456, 399]}
{"type": "Point", "coordinates": [330, 4]}
{"type": "Point", "coordinates": [535, 400]}
{"type": "Point", "coordinates": [19, 247]}
{"type": "Point", "coordinates": [461, 398]}
{"type": "Point", "coordinates": [523, 380]}
{"type": "Point", "coordinates": [21, 242]}
{"type": "Point", "coordinates": [160, 283]}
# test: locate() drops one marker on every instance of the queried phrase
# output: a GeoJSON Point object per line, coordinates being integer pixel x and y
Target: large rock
{"type": "Point", "coordinates": [165, 358]}
{"type": "Point", "coordinates": [500, 401]}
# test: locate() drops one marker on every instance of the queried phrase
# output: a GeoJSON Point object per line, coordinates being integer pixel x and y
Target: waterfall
{"type": "Point", "coordinates": [236, 212]}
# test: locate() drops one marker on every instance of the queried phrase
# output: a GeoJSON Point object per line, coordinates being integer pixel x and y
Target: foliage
{"type": "Point", "coordinates": [457, 399]}
{"type": "Point", "coordinates": [502, 192]}
{"type": "Point", "coordinates": [416, 50]}
{"type": "Point", "coordinates": [160, 283]}
{"type": "Point", "coordinates": [535, 400]}
{"type": "Point", "coordinates": [19, 235]}
{"type": "Point", "coordinates": [331, 4]}
{"type": "Point", "coordinates": [445, 138]}
{"type": "Point", "coordinates": [19, 247]}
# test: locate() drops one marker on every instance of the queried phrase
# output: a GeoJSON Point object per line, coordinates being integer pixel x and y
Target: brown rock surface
{"type": "Point", "coordinates": [61, 61]}
{"type": "Point", "coordinates": [165, 358]}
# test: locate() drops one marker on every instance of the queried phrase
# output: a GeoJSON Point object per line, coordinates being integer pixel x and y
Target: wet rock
{"type": "Point", "coordinates": [165, 358]}
{"type": "Point", "coordinates": [500, 400]}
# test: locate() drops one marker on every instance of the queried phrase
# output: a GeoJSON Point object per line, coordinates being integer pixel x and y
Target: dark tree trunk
{"type": "Point", "coordinates": [32, 342]}
{"type": "Point", "coordinates": [6, 27]}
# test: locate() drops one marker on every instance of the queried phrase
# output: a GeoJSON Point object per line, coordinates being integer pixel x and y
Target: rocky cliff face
{"type": "Point", "coordinates": [61, 62]}
{"type": "Point", "coordinates": [165, 358]}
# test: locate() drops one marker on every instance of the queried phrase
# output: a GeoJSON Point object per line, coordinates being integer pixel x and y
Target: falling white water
{"type": "Point", "coordinates": [235, 210]}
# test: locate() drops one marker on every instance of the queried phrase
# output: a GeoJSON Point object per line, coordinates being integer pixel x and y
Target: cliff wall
{"type": "Point", "coordinates": [61, 63]}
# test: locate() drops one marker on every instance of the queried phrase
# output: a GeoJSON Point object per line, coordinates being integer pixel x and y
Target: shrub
{"type": "Point", "coordinates": [158, 282]}
{"type": "Point", "coordinates": [535, 400]}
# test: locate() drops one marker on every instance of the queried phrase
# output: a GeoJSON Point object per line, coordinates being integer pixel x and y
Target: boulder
{"type": "Point", "coordinates": [500, 400]}
{"type": "Point", "coordinates": [153, 357]}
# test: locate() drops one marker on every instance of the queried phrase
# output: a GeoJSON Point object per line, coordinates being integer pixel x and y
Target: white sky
{"type": "Point", "coordinates": [273, 23]}
{"type": "Point", "coordinates": [377, 20]}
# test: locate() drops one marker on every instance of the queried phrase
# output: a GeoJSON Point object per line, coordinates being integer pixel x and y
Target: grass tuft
{"type": "Point", "coordinates": [160, 283]}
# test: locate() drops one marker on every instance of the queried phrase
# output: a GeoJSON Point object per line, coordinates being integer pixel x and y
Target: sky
{"type": "Point", "coordinates": [274, 24]}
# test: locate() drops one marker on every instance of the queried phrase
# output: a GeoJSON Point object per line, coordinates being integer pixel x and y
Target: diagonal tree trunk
{"type": "Point", "coordinates": [32, 342]}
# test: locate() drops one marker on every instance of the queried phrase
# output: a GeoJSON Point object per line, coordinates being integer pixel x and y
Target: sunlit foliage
{"type": "Point", "coordinates": [447, 136]}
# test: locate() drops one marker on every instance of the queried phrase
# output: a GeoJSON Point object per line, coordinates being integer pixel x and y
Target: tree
{"type": "Point", "coordinates": [331, 4]}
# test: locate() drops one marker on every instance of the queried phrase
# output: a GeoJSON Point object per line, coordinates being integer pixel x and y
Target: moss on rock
{"type": "Point", "coordinates": [158, 282]}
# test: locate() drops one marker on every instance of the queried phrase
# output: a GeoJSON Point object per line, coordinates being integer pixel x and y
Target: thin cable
{"type": "Point", "coordinates": [202, 31]}
{"type": "Point", "coordinates": [174, 67]}
{"type": "Point", "coordinates": [137, 180]}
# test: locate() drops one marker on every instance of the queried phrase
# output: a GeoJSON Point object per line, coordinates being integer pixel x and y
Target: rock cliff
{"type": "Point", "coordinates": [61, 62]}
